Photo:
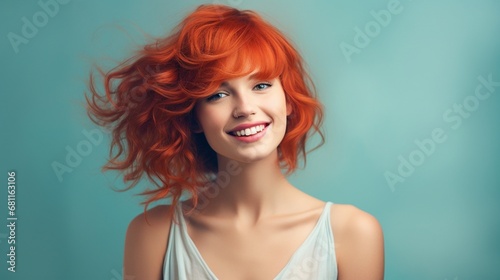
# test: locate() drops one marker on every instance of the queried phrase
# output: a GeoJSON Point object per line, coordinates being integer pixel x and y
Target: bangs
{"type": "Point", "coordinates": [256, 53]}
{"type": "Point", "coordinates": [232, 48]}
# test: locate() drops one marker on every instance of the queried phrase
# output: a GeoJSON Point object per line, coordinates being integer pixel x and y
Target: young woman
{"type": "Point", "coordinates": [221, 110]}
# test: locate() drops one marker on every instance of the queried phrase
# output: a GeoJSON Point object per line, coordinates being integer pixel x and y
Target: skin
{"type": "Point", "coordinates": [259, 209]}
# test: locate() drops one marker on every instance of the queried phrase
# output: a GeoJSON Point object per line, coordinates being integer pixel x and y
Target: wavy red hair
{"type": "Point", "coordinates": [149, 99]}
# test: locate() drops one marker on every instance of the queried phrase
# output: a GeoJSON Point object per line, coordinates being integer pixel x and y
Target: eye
{"type": "Point", "coordinates": [262, 86]}
{"type": "Point", "coordinates": [216, 96]}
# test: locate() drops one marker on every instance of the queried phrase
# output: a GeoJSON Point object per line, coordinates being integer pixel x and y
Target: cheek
{"type": "Point", "coordinates": [280, 108]}
{"type": "Point", "coordinates": [209, 119]}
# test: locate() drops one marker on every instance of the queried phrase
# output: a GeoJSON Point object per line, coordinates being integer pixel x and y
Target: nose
{"type": "Point", "coordinates": [244, 105]}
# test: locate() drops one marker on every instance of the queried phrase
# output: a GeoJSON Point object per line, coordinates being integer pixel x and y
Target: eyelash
{"type": "Point", "coordinates": [265, 84]}
{"type": "Point", "coordinates": [215, 96]}
{"type": "Point", "coordinates": [218, 96]}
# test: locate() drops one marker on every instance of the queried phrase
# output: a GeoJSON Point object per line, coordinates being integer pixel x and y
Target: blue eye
{"type": "Point", "coordinates": [262, 86]}
{"type": "Point", "coordinates": [216, 96]}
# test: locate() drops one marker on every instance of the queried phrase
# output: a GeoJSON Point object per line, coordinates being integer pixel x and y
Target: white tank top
{"type": "Point", "coordinates": [314, 259]}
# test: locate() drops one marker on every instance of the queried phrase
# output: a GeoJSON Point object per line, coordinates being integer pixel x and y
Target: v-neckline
{"type": "Point", "coordinates": [212, 274]}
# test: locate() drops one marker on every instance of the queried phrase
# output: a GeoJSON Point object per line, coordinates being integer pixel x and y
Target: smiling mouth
{"type": "Point", "coordinates": [249, 131]}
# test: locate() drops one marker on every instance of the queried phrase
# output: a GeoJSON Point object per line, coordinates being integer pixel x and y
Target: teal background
{"type": "Point", "coordinates": [442, 222]}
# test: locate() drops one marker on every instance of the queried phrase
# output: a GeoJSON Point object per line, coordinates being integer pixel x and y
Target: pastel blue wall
{"type": "Point", "coordinates": [386, 85]}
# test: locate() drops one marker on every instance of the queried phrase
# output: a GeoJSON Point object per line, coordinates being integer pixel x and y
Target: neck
{"type": "Point", "coordinates": [248, 191]}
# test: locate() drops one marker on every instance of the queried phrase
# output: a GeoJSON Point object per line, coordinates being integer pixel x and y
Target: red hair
{"type": "Point", "coordinates": [149, 99]}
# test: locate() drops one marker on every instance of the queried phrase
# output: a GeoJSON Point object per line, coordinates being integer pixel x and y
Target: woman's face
{"type": "Point", "coordinates": [245, 119]}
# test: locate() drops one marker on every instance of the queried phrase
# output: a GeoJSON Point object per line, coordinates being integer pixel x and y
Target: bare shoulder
{"type": "Point", "coordinates": [359, 243]}
{"type": "Point", "coordinates": [348, 219]}
{"type": "Point", "coordinates": [146, 242]}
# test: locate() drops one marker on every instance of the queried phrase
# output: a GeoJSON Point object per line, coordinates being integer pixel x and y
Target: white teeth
{"type": "Point", "coordinates": [250, 131]}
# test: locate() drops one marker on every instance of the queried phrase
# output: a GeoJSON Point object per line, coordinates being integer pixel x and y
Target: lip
{"type": "Point", "coordinates": [253, 138]}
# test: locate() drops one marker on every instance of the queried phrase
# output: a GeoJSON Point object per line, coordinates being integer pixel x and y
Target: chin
{"type": "Point", "coordinates": [252, 157]}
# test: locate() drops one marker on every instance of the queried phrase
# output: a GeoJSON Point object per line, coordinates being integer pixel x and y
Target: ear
{"type": "Point", "coordinates": [288, 109]}
{"type": "Point", "coordinates": [195, 126]}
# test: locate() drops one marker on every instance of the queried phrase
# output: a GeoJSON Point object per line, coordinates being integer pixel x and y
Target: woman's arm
{"type": "Point", "coordinates": [145, 245]}
{"type": "Point", "coordinates": [359, 244]}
